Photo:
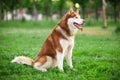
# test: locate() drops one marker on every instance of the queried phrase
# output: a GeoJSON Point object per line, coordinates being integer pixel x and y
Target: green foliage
{"type": "Point", "coordinates": [10, 4]}
{"type": "Point", "coordinates": [59, 5]}
{"type": "Point", "coordinates": [95, 57]}
{"type": "Point", "coordinates": [114, 2]}
{"type": "Point", "coordinates": [116, 6]}
{"type": "Point", "coordinates": [96, 4]}
{"type": "Point", "coordinates": [118, 29]}
{"type": "Point", "coordinates": [46, 6]}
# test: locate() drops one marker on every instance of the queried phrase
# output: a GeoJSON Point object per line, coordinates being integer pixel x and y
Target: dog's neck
{"type": "Point", "coordinates": [67, 29]}
{"type": "Point", "coordinates": [64, 33]}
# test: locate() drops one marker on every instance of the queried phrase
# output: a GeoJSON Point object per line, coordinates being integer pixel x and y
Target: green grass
{"type": "Point", "coordinates": [95, 57]}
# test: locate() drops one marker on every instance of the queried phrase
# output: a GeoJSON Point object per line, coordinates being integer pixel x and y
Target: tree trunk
{"type": "Point", "coordinates": [12, 15]}
{"type": "Point", "coordinates": [13, 8]}
{"type": "Point", "coordinates": [83, 12]}
{"type": "Point", "coordinates": [104, 13]}
{"type": "Point", "coordinates": [97, 14]}
{"type": "Point", "coordinates": [115, 12]}
{"type": "Point", "coordinates": [35, 15]}
{"type": "Point", "coordinates": [0, 13]}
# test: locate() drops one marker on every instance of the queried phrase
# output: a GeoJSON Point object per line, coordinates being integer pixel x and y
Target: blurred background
{"type": "Point", "coordinates": [97, 13]}
{"type": "Point", "coordinates": [54, 9]}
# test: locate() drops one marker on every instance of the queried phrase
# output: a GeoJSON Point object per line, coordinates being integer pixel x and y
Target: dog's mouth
{"type": "Point", "coordinates": [78, 26]}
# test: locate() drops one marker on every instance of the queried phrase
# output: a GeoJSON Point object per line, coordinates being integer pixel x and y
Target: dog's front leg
{"type": "Point", "coordinates": [60, 58]}
{"type": "Point", "coordinates": [69, 56]}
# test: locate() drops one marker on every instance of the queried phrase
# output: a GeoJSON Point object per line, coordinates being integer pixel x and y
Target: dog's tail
{"type": "Point", "coordinates": [23, 60]}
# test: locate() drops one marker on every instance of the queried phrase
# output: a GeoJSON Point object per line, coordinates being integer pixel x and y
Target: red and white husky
{"type": "Point", "coordinates": [59, 44]}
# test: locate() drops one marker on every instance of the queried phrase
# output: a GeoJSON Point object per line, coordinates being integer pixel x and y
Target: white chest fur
{"type": "Point", "coordinates": [67, 47]}
{"type": "Point", "coordinates": [66, 44]}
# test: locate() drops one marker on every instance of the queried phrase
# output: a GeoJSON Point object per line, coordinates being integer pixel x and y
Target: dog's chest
{"type": "Point", "coordinates": [67, 43]}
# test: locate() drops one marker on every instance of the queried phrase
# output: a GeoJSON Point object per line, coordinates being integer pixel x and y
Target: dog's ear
{"type": "Point", "coordinates": [70, 11]}
{"type": "Point", "coordinates": [77, 11]}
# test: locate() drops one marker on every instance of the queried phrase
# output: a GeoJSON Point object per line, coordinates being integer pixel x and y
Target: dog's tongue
{"type": "Point", "coordinates": [78, 26]}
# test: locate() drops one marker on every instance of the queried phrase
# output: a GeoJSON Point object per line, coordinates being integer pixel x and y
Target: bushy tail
{"type": "Point", "coordinates": [23, 60]}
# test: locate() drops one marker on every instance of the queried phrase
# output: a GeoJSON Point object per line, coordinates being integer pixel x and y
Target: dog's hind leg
{"type": "Point", "coordinates": [43, 66]}
{"type": "Point", "coordinates": [60, 58]}
{"type": "Point", "coordinates": [38, 66]}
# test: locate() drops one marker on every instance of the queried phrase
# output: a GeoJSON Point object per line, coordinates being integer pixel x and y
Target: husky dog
{"type": "Point", "coordinates": [59, 44]}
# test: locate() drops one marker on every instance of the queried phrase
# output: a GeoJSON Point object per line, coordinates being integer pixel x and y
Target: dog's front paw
{"type": "Point", "coordinates": [61, 69]}
{"type": "Point", "coordinates": [71, 67]}
{"type": "Point", "coordinates": [43, 70]}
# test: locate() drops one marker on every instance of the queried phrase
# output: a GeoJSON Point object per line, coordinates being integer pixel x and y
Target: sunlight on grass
{"type": "Point", "coordinates": [27, 31]}
{"type": "Point", "coordinates": [97, 31]}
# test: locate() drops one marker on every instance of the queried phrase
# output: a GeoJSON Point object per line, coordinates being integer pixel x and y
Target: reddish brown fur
{"type": "Point", "coordinates": [52, 43]}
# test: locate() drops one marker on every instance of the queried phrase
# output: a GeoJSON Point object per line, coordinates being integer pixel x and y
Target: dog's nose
{"type": "Point", "coordinates": [83, 21]}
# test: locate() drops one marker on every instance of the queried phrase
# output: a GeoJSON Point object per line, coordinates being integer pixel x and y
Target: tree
{"type": "Point", "coordinates": [0, 11]}
{"type": "Point", "coordinates": [27, 4]}
{"type": "Point", "coordinates": [10, 5]}
{"type": "Point", "coordinates": [96, 4]}
{"type": "Point", "coordinates": [104, 13]}
{"type": "Point", "coordinates": [46, 7]}
{"type": "Point", "coordinates": [34, 10]}
{"type": "Point", "coordinates": [59, 5]}
{"type": "Point", "coordinates": [116, 5]}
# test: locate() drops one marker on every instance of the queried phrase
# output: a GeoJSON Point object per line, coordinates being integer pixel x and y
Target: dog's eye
{"type": "Point", "coordinates": [76, 17]}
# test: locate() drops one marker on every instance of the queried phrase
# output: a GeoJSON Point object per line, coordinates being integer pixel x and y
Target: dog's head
{"type": "Point", "coordinates": [74, 20]}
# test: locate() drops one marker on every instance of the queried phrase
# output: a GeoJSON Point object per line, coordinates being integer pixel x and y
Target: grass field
{"type": "Point", "coordinates": [96, 55]}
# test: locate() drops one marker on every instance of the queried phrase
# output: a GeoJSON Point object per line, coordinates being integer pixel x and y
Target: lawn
{"type": "Point", "coordinates": [96, 55]}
